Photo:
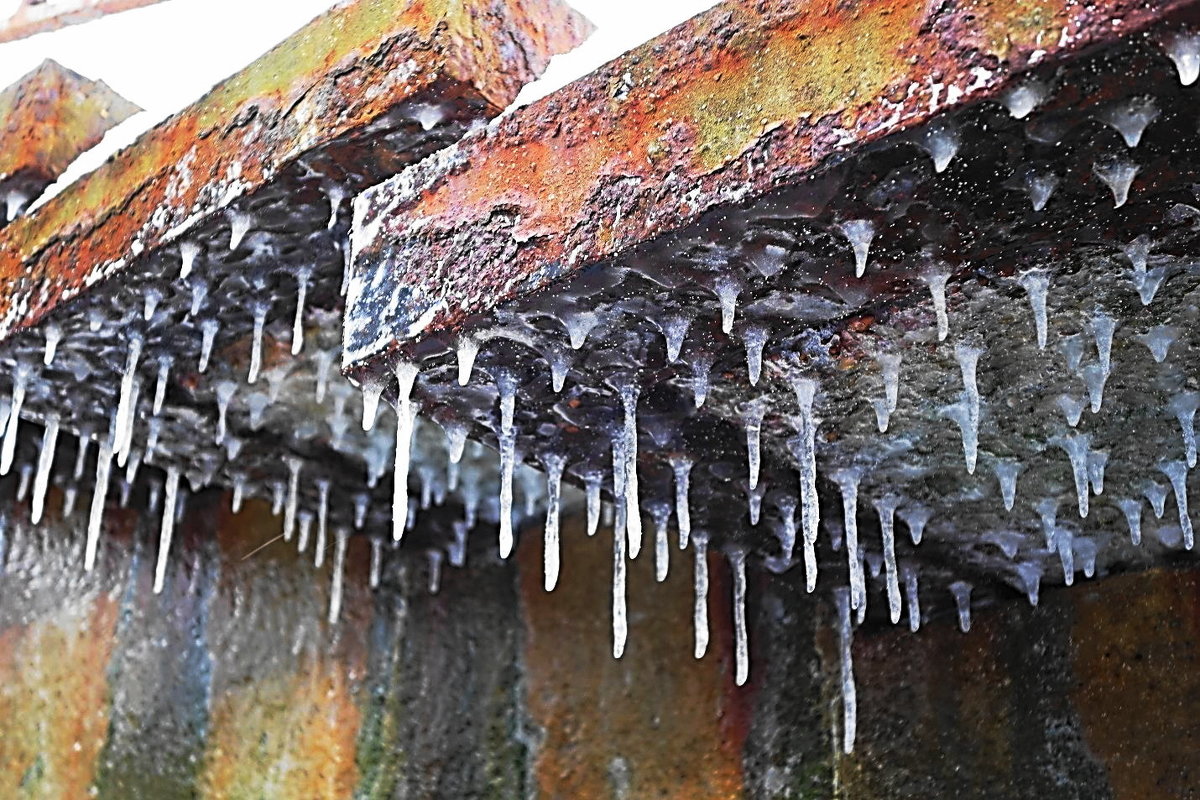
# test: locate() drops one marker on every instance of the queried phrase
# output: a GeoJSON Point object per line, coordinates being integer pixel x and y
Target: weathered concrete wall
{"type": "Point", "coordinates": [231, 683]}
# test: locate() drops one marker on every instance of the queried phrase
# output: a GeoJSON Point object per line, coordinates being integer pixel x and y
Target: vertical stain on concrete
{"type": "Point", "coordinates": [656, 723]}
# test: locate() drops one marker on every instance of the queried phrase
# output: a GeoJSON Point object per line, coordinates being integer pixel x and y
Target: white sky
{"type": "Point", "coordinates": [165, 56]}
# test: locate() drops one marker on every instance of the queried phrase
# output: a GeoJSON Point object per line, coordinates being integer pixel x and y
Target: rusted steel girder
{"type": "Point", "coordinates": [48, 118]}
{"type": "Point", "coordinates": [38, 16]}
{"type": "Point", "coordinates": [738, 101]}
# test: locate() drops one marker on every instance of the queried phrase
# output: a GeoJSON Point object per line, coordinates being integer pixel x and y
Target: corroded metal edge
{"type": "Point", "coordinates": [29, 19]}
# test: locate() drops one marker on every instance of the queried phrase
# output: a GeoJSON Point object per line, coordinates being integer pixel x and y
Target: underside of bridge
{"type": "Point", "coordinates": [800, 405]}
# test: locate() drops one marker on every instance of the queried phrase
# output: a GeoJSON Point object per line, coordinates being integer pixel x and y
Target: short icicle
{"type": "Point", "coordinates": [338, 579]}
{"type": "Point", "coordinates": [1177, 473]}
{"type": "Point", "coordinates": [962, 599]}
{"type": "Point", "coordinates": [293, 497]}
{"type": "Point", "coordinates": [681, 466]}
{"type": "Point", "coordinates": [302, 278]}
{"type": "Point", "coordinates": [260, 320]}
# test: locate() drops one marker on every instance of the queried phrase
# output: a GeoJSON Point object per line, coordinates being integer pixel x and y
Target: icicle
{"type": "Point", "coordinates": [629, 435]}
{"type": "Point", "coordinates": [727, 290]}
{"type": "Point", "coordinates": [293, 496]}
{"type": "Point", "coordinates": [81, 454]}
{"type": "Point", "coordinates": [889, 368]}
{"type": "Point", "coordinates": [1031, 577]}
{"type": "Point", "coordinates": [1183, 48]}
{"type": "Point", "coordinates": [1118, 177]}
{"type": "Point", "coordinates": [674, 328]}
{"type": "Point", "coordinates": [362, 502]}
{"type": "Point", "coordinates": [1184, 406]}
{"type": "Point", "coordinates": [153, 430]}
{"type": "Point", "coordinates": [1156, 494]}
{"type": "Point", "coordinates": [737, 562]}
{"type": "Point", "coordinates": [376, 563]}
{"type": "Point", "coordinates": [1158, 340]}
{"type": "Point", "coordinates": [323, 486]}
{"type": "Point", "coordinates": [14, 203]}
{"type": "Point", "coordinates": [911, 597]}
{"type": "Point", "coordinates": [168, 527]}
{"type": "Point", "coordinates": [968, 363]}
{"type": "Point", "coordinates": [1076, 447]}
{"type": "Point", "coordinates": [1138, 253]}
{"type": "Point", "coordinates": [702, 364]}
{"type": "Point", "coordinates": [323, 361]}
{"type": "Point", "coordinates": [1131, 118]}
{"type": "Point", "coordinates": [619, 620]}
{"type": "Point", "coordinates": [160, 388]}
{"type": "Point", "coordinates": [968, 427]}
{"type": "Point", "coordinates": [260, 309]}
{"type": "Point", "coordinates": [1036, 284]}
{"type": "Point", "coordinates": [406, 374]}
{"type": "Point", "coordinates": [886, 508]}
{"type": "Point", "coordinates": [1007, 470]}
{"type": "Point", "coordinates": [319, 548]}
{"type": "Point", "coordinates": [554, 464]}
{"type": "Point", "coordinates": [661, 514]}
{"type": "Point", "coordinates": [962, 599]}
{"type": "Point", "coordinates": [338, 579]}
{"type": "Point", "coordinates": [916, 518]}
{"type": "Point", "coordinates": [1040, 187]}
{"type": "Point", "coordinates": [1072, 409]}
{"type": "Point", "coordinates": [682, 467]}
{"type": "Point", "coordinates": [883, 416]}
{"type": "Point", "coordinates": [1096, 463]}
{"type": "Point", "coordinates": [1095, 377]}
{"type": "Point", "coordinates": [45, 462]}
{"type": "Point", "coordinates": [1132, 509]}
{"type": "Point", "coordinates": [942, 142]}
{"type": "Point", "coordinates": [936, 281]}
{"type": "Point", "coordinates": [23, 483]}
{"type": "Point", "coordinates": [1023, 99]}
{"type": "Point", "coordinates": [700, 593]}
{"type": "Point", "coordinates": [53, 337]}
{"type": "Point", "coordinates": [302, 278]}
{"type": "Point", "coordinates": [1103, 327]}
{"type": "Point", "coordinates": [1147, 285]}
{"type": "Point", "coordinates": [435, 570]}
{"type": "Point", "coordinates": [1064, 543]}
{"type": "Point", "coordinates": [578, 324]}
{"type": "Point", "coordinates": [849, 696]}
{"type": "Point", "coordinates": [468, 349]}
{"type": "Point", "coordinates": [1176, 472]}
{"type": "Point", "coordinates": [224, 393]}
{"type": "Point", "coordinates": [208, 333]}
{"type": "Point", "coordinates": [237, 494]}
{"type": "Point", "coordinates": [810, 509]}
{"type": "Point", "coordinates": [859, 232]}
{"type": "Point", "coordinates": [506, 384]}
{"type": "Point", "coordinates": [239, 226]}
{"type": "Point", "coordinates": [188, 250]}
{"type": "Point", "coordinates": [752, 418]}
{"type": "Point", "coordinates": [21, 376]}
{"type": "Point", "coordinates": [372, 392]}
{"type": "Point", "coordinates": [592, 482]}
{"type": "Point", "coordinates": [1072, 347]}
{"type": "Point", "coordinates": [847, 480]}
{"type": "Point", "coordinates": [560, 366]}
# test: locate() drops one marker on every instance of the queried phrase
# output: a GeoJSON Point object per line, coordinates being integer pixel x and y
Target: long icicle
{"type": "Point", "coordinates": [99, 494]}
{"type": "Point", "coordinates": [619, 619]}
{"type": "Point", "coordinates": [45, 462]}
{"type": "Point", "coordinates": [406, 374]}
{"type": "Point", "coordinates": [700, 603]}
{"type": "Point", "coordinates": [737, 561]}
{"type": "Point", "coordinates": [9, 447]}
{"type": "Point", "coordinates": [550, 560]}
{"type": "Point", "coordinates": [168, 528]}
{"type": "Point", "coordinates": [849, 694]}
{"type": "Point", "coordinates": [633, 512]}
{"type": "Point", "coordinates": [507, 385]}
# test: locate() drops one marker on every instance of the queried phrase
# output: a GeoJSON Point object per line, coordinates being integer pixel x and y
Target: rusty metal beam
{"type": "Point", "coordinates": [48, 118]}
{"type": "Point", "coordinates": [726, 107]}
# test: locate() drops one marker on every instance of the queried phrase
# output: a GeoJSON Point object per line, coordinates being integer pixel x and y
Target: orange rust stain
{"type": "Point", "coordinates": [1138, 693]}
{"type": "Point", "coordinates": [660, 710]}
{"type": "Point", "coordinates": [284, 736]}
{"type": "Point", "coordinates": [54, 704]}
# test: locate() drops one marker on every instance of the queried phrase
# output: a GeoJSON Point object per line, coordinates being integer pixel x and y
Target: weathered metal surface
{"type": "Point", "coordinates": [39, 16]}
{"type": "Point", "coordinates": [48, 118]}
{"type": "Point", "coordinates": [740, 100]}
